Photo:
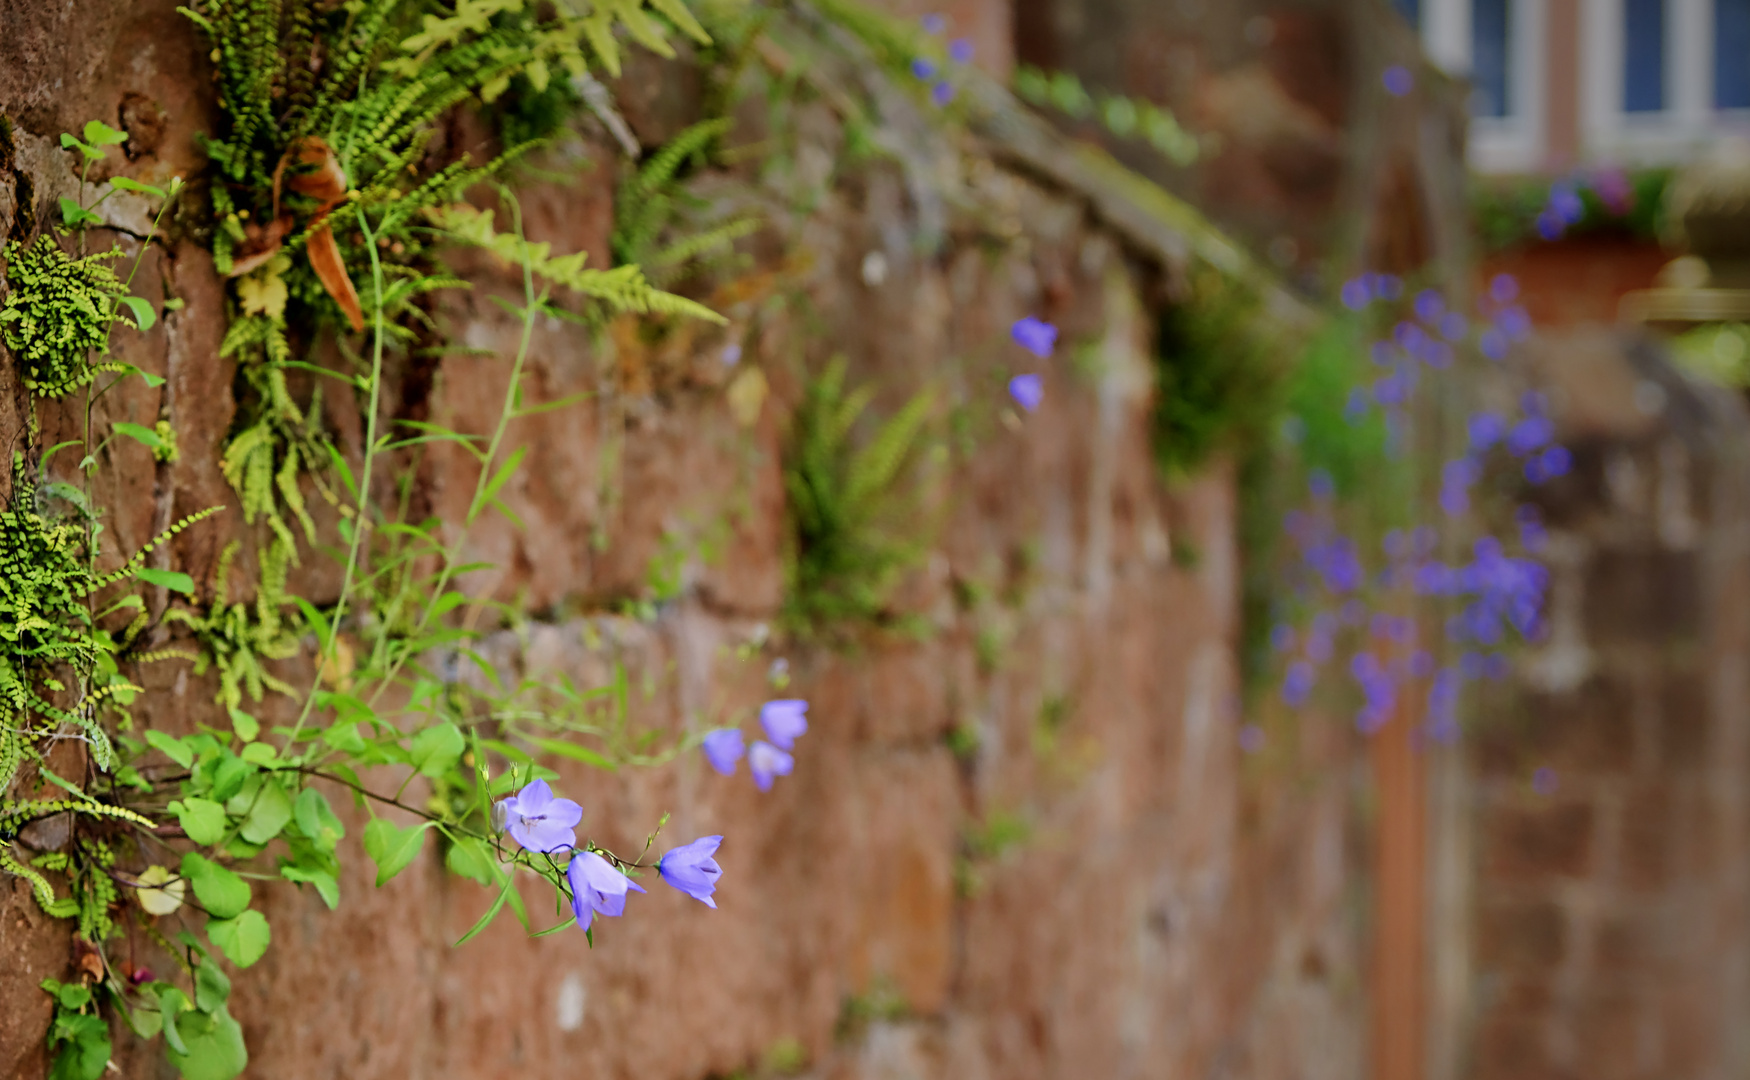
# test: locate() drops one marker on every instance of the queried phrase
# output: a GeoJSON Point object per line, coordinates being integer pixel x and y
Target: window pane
{"type": "Point", "coordinates": [1489, 53]}
{"type": "Point", "coordinates": [1732, 54]}
{"type": "Point", "coordinates": [1643, 55]}
{"type": "Point", "coordinates": [1411, 10]}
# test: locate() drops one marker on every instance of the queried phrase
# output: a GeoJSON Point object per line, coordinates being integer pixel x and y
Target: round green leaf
{"type": "Point", "coordinates": [392, 848]}
{"type": "Point", "coordinates": [215, 1049]}
{"type": "Point", "coordinates": [202, 819]}
{"type": "Point", "coordinates": [436, 750]}
{"type": "Point", "coordinates": [220, 891]}
{"type": "Point", "coordinates": [271, 810]}
{"type": "Point", "coordinates": [243, 939]}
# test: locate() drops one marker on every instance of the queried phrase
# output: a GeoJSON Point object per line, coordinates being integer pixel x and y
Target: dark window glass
{"type": "Point", "coordinates": [1732, 54]}
{"type": "Point", "coordinates": [1489, 56]}
{"type": "Point", "coordinates": [1411, 10]}
{"type": "Point", "coordinates": [1643, 55]}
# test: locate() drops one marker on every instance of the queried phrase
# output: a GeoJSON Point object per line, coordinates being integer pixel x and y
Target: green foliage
{"type": "Point", "coordinates": [1504, 210]}
{"type": "Point", "coordinates": [1125, 117]}
{"type": "Point", "coordinates": [59, 310]}
{"type": "Point", "coordinates": [855, 525]}
{"type": "Point", "coordinates": [623, 289]}
{"type": "Point", "coordinates": [236, 637]}
{"type": "Point", "coordinates": [649, 204]}
{"type": "Point", "coordinates": [78, 1037]}
{"type": "Point", "coordinates": [1216, 379]}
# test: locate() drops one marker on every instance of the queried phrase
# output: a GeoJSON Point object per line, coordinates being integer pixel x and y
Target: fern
{"type": "Point", "coordinates": [624, 289]}
{"type": "Point", "coordinates": [60, 309]}
{"type": "Point", "coordinates": [236, 638]}
{"type": "Point", "coordinates": [652, 202]}
{"type": "Point", "coordinates": [854, 527]}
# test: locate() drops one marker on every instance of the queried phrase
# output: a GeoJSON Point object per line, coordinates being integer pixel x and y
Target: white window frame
{"type": "Point", "coordinates": [1688, 122]}
{"type": "Point", "coordinates": [1515, 142]}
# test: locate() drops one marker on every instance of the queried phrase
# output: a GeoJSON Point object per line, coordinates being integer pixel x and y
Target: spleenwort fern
{"type": "Point", "coordinates": [59, 311]}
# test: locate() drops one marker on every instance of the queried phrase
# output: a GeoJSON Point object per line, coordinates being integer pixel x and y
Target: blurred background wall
{"type": "Point", "coordinates": [1032, 844]}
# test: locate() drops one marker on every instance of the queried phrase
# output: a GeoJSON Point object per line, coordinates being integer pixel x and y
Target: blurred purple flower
{"type": "Point", "coordinates": [1486, 429]}
{"type": "Point", "coordinates": [1429, 305]}
{"type": "Point", "coordinates": [596, 887]}
{"type": "Point", "coordinates": [1514, 322]}
{"type": "Point", "coordinates": [1503, 288]}
{"type": "Point", "coordinates": [1319, 483]}
{"type": "Point", "coordinates": [784, 720]}
{"type": "Point", "coordinates": [934, 24]}
{"type": "Point", "coordinates": [767, 763]}
{"type": "Point", "coordinates": [1543, 781]}
{"type": "Point", "coordinates": [1355, 294]}
{"type": "Point", "coordinates": [1035, 335]}
{"type": "Point", "coordinates": [1565, 203]}
{"type": "Point", "coordinates": [1530, 434]}
{"type": "Point", "coordinates": [691, 869]}
{"type": "Point", "coordinates": [723, 748]}
{"type": "Point", "coordinates": [923, 67]}
{"type": "Point", "coordinates": [1282, 637]}
{"type": "Point", "coordinates": [1297, 684]}
{"type": "Point", "coordinates": [538, 821]}
{"type": "Point", "coordinates": [1550, 225]}
{"type": "Point", "coordinates": [1557, 460]}
{"type": "Point", "coordinates": [960, 50]}
{"type": "Point", "coordinates": [1493, 343]}
{"type": "Point", "coordinates": [942, 93]}
{"type": "Point", "coordinates": [1398, 80]}
{"type": "Point", "coordinates": [1388, 286]}
{"type": "Point", "coordinates": [1027, 390]}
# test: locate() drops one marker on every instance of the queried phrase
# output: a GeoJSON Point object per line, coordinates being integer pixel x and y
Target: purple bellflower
{"type": "Point", "coordinates": [785, 720]}
{"type": "Point", "coordinates": [934, 24]}
{"type": "Point", "coordinates": [691, 869]}
{"type": "Point", "coordinates": [1398, 80]}
{"type": "Point", "coordinates": [723, 748]}
{"type": "Point", "coordinates": [923, 67]}
{"type": "Point", "coordinates": [596, 887]}
{"type": "Point", "coordinates": [537, 820]}
{"type": "Point", "coordinates": [1035, 335]}
{"type": "Point", "coordinates": [942, 93]}
{"type": "Point", "coordinates": [1027, 390]}
{"type": "Point", "coordinates": [960, 51]}
{"type": "Point", "coordinates": [767, 763]}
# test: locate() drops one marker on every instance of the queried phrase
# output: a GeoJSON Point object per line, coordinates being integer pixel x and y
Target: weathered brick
{"type": "Point", "coordinates": [1527, 843]}
{"type": "Point", "coordinates": [1520, 937]}
{"type": "Point", "coordinates": [1638, 595]}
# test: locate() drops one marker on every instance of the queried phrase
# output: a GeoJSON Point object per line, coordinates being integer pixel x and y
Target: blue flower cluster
{"type": "Point", "coordinates": [1495, 596]}
{"type": "Point", "coordinates": [784, 721]}
{"type": "Point", "coordinates": [545, 824]}
{"type": "Point", "coordinates": [1040, 339]}
{"type": "Point", "coordinates": [959, 52]}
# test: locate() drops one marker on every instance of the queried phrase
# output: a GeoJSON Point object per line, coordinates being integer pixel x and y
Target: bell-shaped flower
{"type": "Point", "coordinates": [1027, 391]}
{"type": "Point", "coordinates": [537, 820]}
{"type": "Point", "coordinates": [767, 763]}
{"type": "Point", "coordinates": [597, 888]}
{"type": "Point", "coordinates": [1035, 335]}
{"type": "Point", "coordinates": [723, 748]}
{"type": "Point", "coordinates": [691, 869]}
{"type": "Point", "coordinates": [784, 720]}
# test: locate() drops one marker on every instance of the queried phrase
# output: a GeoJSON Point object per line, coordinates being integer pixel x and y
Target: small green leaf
{"type": "Point", "coordinates": [574, 752]}
{"type": "Point", "coordinates": [91, 153]}
{"type": "Point", "coordinates": [174, 580]}
{"type": "Point", "coordinates": [491, 912]}
{"type": "Point", "coordinates": [259, 753]}
{"type": "Point", "coordinates": [75, 216]}
{"type": "Point", "coordinates": [392, 848]}
{"type": "Point", "coordinates": [212, 987]}
{"type": "Point", "coordinates": [219, 890]}
{"type": "Point", "coordinates": [171, 1000]}
{"type": "Point", "coordinates": [326, 886]}
{"type": "Point", "coordinates": [271, 811]}
{"type": "Point", "coordinates": [173, 748]}
{"type": "Point", "coordinates": [151, 379]}
{"type": "Point", "coordinates": [214, 1047]}
{"type": "Point", "coordinates": [125, 184]}
{"type": "Point", "coordinates": [202, 819]}
{"type": "Point", "coordinates": [73, 996]}
{"type": "Point", "coordinates": [244, 939]}
{"type": "Point", "coordinates": [247, 727]}
{"type": "Point", "coordinates": [436, 750]}
{"type": "Point", "coordinates": [317, 820]}
{"type": "Point", "coordinates": [98, 133]}
{"type": "Point", "coordinates": [144, 316]}
{"type": "Point", "coordinates": [139, 433]}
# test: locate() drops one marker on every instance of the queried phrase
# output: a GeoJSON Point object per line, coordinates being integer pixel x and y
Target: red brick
{"type": "Point", "coordinates": [1528, 843]}
{"type": "Point", "coordinates": [1520, 937]}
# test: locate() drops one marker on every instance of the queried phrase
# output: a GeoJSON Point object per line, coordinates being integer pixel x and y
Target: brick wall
{"type": "Point", "coordinates": [1166, 914]}
{"type": "Point", "coordinates": [1610, 936]}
